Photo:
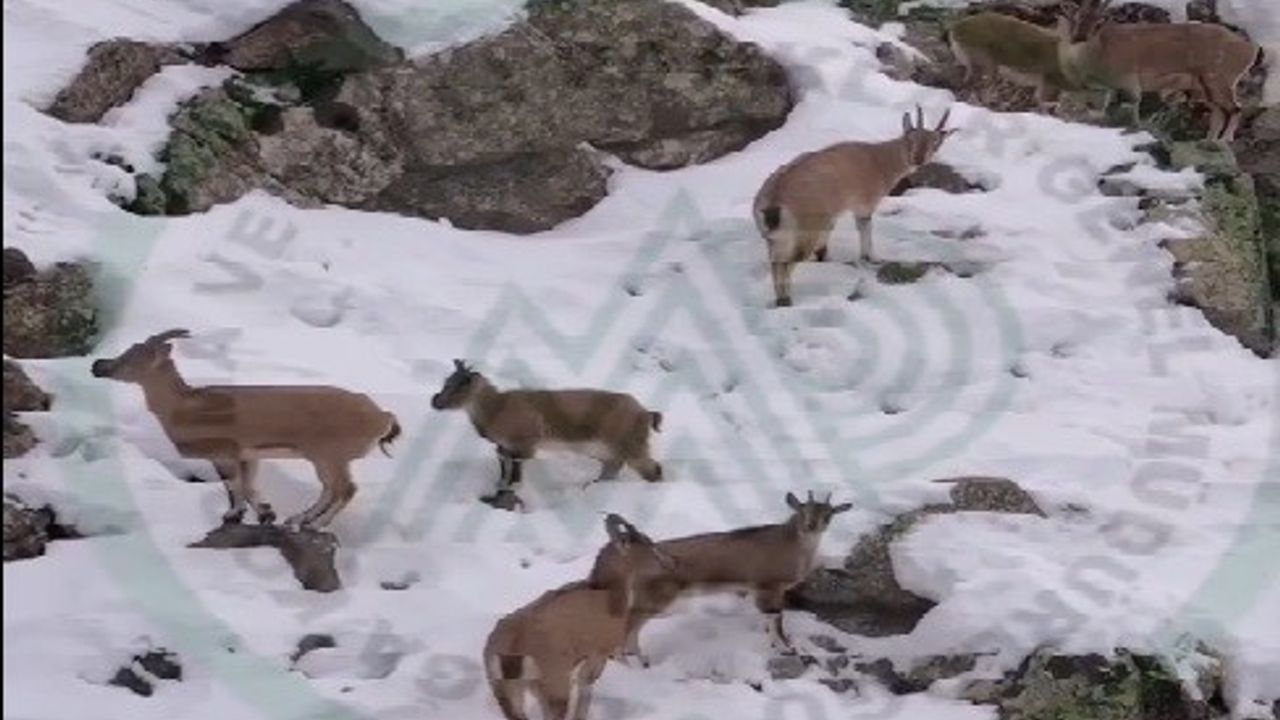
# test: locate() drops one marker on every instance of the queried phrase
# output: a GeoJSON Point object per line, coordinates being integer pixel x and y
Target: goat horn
{"type": "Point", "coordinates": [943, 121]}
{"type": "Point", "coordinates": [919, 116]}
{"type": "Point", "coordinates": [459, 365]}
{"type": "Point", "coordinates": [617, 526]}
{"type": "Point", "coordinates": [168, 335]}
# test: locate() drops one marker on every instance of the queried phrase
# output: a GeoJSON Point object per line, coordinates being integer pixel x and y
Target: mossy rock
{"type": "Point", "coordinates": [1211, 157]}
{"type": "Point", "coordinates": [1225, 273]}
{"type": "Point", "coordinates": [52, 314]}
{"type": "Point", "coordinates": [1090, 687]}
{"type": "Point", "coordinates": [210, 157]}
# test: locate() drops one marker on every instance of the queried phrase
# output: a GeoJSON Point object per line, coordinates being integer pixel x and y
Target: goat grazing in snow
{"type": "Point", "coordinates": [799, 204]}
{"type": "Point", "coordinates": [556, 647]}
{"type": "Point", "coordinates": [609, 426]}
{"type": "Point", "coordinates": [236, 426]}
{"type": "Point", "coordinates": [1203, 59]}
{"type": "Point", "coordinates": [766, 559]}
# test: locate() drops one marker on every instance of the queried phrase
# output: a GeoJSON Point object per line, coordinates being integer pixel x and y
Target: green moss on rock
{"type": "Point", "coordinates": [206, 131]}
{"type": "Point", "coordinates": [1090, 687]}
{"type": "Point", "coordinates": [1225, 272]}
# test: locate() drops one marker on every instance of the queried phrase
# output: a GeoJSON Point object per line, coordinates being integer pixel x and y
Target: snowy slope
{"type": "Point", "coordinates": [1056, 362]}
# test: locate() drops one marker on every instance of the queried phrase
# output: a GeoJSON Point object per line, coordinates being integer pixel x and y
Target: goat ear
{"type": "Point", "coordinates": [793, 502]}
{"type": "Point", "coordinates": [459, 365]}
{"type": "Point", "coordinates": [843, 507]}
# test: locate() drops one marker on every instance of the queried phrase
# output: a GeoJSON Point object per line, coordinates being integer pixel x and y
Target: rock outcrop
{"type": "Point", "coordinates": [494, 134]}
{"type": "Point", "coordinates": [309, 552]}
{"type": "Point", "coordinates": [48, 314]}
{"type": "Point", "coordinates": [1224, 271]}
{"type": "Point", "coordinates": [113, 70]}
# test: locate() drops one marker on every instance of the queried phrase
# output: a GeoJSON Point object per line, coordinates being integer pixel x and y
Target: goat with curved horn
{"type": "Point", "coordinates": [765, 559]}
{"type": "Point", "coordinates": [798, 205]}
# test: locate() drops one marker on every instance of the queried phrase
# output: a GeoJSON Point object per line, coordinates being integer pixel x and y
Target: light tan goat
{"type": "Point", "coordinates": [768, 560]}
{"type": "Point", "coordinates": [801, 201]}
{"type": "Point", "coordinates": [609, 426]}
{"type": "Point", "coordinates": [1204, 60]}
{"type": "Point", "coordinates": [556, 647]}
{"type": "Point", "coordinates": [236, 426]}
{"type": "Point", "coordinates": [1019, 51]}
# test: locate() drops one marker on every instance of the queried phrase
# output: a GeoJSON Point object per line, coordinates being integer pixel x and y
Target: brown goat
{"type": "Point", "coordinates": [556, 647]}
{"type": "Point", "coordinates": [236, 426]}
{"type": "Point", "coordinates": [1204, 60]}
{"type": "Point", "coordinates": [609, 426]}
{"type": "Point", "coordinates": [766, 559]}
{"type": "Point", "coordinates": [799, 204]}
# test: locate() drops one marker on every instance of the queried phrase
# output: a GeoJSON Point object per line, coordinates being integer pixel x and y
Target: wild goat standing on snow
{"type": "Point", "coordinates": [235, 426]}
{"type": "Point", "coordinates": [766, 559]}
{"type": "Point", "coordinates": [801, 201]}
{"type": "Point", "coordinates": [609, 426]}
{"type": "Point", "coordinates": [556, 647]}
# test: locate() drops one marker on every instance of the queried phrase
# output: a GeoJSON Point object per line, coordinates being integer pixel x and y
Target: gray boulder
{"type": "Point", "coordinates": [325, 36]}
{"type": "Point", "coordinates": [309, 552]}
{"type": "Point", "coordinates": [112, 72]}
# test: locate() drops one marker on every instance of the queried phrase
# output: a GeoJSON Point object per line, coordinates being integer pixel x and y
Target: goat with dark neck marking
{"type": "Point", "coordinates": [609, 426]}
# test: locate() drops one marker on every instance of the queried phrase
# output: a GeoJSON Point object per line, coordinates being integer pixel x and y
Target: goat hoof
{"type": "Point", "coordinates": [266, 516]}
{"type": "Point", "coordinates": [784, 302]}
{"type": "Point", "coordinates": [233, 517]}
{"type": "Point", "coordinates": [503, 500]}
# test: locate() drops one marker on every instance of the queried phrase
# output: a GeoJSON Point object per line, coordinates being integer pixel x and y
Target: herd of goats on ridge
{"type": "Point", "coordinates": [555, 647]}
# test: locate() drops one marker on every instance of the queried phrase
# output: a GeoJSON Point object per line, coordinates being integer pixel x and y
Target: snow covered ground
{"type": "Point", "coordinates": [1055, 360]}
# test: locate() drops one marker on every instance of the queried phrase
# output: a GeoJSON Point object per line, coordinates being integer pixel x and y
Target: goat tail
{"type": "Point", "coordinates": [655, 421]}
{"type": "Point", "coordinates": [511, 667]}
{"type": "Point", "coordinates": [770, 218]}
{"type": "Point", "coordinates": [392, 433]}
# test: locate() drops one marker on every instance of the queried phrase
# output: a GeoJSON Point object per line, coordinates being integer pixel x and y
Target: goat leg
{"type": "Point", "coordinates": [233, 482]}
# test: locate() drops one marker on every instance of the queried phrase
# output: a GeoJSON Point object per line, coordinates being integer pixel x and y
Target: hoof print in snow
{"type": "Point", "coordinates": [309, 552]}
{"type": "Point", "coordinates": [902, 273]}
{"type": "Point", "coordinates": [130, 680]}
{"type": "Point", "coordinates": [144, 670]}
{"type": "Point", "coordinates": [408, 580]}
{"type": "Point", "coordinates": [310, 642]}
{"type": "Point", "coordinates": [789, 667]}
{"type": "Point", "coordinates": [864, 597]}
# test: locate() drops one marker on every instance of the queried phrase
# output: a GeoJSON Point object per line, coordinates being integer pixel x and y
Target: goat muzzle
{"type": "Point", "coordinates": [100, 368]}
